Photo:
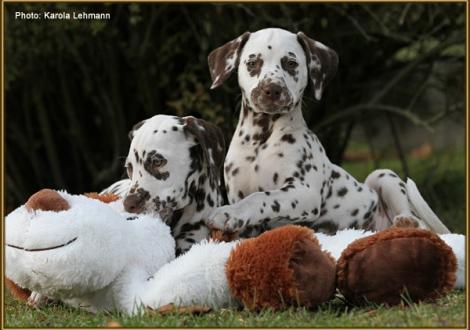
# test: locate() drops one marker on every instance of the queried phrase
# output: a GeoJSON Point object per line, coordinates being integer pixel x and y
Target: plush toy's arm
{"type": "Point", "coordinates": [195, 278]}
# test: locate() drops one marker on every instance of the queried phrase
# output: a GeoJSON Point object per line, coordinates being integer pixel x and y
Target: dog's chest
{"type": "Point", "coordinates": [252, 167]}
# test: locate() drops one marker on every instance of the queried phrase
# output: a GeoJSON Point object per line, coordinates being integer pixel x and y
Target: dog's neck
{"type": "Point", "coordinates": [203, 198]}
{"type": "Point", "coordinates": [257, 127]}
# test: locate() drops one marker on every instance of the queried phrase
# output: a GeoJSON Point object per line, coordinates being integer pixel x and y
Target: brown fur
{"type": "Point", "coordinates": [218, 59]}
{"type": "Point", "coordinates": [282, 267]}
{"type": "Point", "coordinates": [105, 198]}
{"type": "Point", "coordinates": [17, 292]}
{"type": "Point", "coordinates": [378, 268]}
{"type": "Point", "coordinates": [47, 200]}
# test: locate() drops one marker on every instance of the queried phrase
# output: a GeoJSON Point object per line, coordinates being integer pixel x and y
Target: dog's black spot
{"type": "Point", "coordinates": [354, 212]}
{"type": "Point", "coordinates": [241, 195]}
{"type": "Point", "coordinates": [264, 121]}
{"type": "Point", "coordinates": [335, 175]}
{"type": "Point", "coordinates": [343, 191]}
{"type": "Point", "coordinates": [210, 201]}
{"type": "Point", "coordinates": [275, 177]}
{"type": "Point", "coordinates": [276, 206]}
{"type": "Point", "coordinates": [288, 138]}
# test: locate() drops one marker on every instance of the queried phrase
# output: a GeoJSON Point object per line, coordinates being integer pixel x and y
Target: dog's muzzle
{"type": "Point", "coordinates": [271, 97]}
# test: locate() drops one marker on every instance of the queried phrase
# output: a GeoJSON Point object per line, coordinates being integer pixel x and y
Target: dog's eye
{"type": "Point", "coordinates": [292, 64]}
{"type": "Point", "coordinates": [129, 170]}
{"type": "Point", "coordinates": [251, 64]}
{"type": "Point", "coordinates": [156, 162]}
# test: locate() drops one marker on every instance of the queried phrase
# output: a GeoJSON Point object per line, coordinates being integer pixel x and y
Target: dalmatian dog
{"type": "Point", "coordinates": [174, 167]}
{"type": "Point", "coordinates": [276, 170]}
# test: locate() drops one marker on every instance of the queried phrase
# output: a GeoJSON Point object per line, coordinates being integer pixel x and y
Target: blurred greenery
{"type": "Point", "coordinates": [74, 88]}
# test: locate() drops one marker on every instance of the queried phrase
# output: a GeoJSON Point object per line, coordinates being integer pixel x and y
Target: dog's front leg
{"type": "Point", "coordinates": [292, 203]}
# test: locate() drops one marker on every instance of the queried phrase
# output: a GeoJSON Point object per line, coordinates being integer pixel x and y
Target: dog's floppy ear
{"type": "Point", "coordinates": [211, 142]}
{"type": "Point", "coordinates": [322, 62]}
{"type": "Point", "coordinates": [223, 60]}
{"type": "Point", "coordinates": [135, 128]}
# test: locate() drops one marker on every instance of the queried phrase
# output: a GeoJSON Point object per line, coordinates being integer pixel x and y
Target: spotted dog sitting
{"type": "Point", "coordinates": [174, 167]}
{"type": "Point", "coordinates": [276, 170]}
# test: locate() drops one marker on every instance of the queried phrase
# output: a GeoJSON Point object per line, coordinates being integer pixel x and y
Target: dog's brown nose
{"type": "Point", "coordinates": [272, 91]}
{"type": "Point", "coordinates": [134, 203]}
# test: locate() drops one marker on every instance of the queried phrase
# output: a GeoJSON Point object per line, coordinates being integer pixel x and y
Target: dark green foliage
{"type": "Point", "coordinates": [75, 88]}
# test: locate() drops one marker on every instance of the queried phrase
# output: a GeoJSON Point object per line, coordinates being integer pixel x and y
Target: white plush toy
{"type": "Point", "coordinates": [92, 255]}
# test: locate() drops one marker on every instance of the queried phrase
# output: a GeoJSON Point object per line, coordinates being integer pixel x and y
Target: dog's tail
{"type": "Point", "coordinates": [422, 209]}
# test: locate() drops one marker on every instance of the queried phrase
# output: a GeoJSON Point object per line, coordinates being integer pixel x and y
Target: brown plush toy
{"type": "Point", "coordinates": [287, 267]}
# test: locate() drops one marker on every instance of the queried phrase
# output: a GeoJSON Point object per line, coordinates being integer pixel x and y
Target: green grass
{"type": "Point", "coordinates": [446, 312]}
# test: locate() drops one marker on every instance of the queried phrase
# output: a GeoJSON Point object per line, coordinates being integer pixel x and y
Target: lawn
{"type": "Point", "coordinates": [446, 312]}
{"type": "Point", "coordinates": [442, 182]}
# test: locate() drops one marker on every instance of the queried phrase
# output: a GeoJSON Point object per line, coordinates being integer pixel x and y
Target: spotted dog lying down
{"type": "Point", "coordinates": [174, 167]}
{"type": "Point", "coordinates": [276, 169]}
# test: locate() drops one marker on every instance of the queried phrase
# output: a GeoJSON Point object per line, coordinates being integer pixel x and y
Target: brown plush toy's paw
{"type": "Point", "coordinates": [280, 268]}
{"type": "Point", "coordinates": [396, 262]}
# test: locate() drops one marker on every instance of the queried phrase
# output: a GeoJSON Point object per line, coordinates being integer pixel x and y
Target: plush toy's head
{"type": "Point", "coordinates": [64, 246]}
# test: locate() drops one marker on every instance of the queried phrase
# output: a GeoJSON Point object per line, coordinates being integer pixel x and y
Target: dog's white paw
{"type": "Point", "coordinates": [222, 219]}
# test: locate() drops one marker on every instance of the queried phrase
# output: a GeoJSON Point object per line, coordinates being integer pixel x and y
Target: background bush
{"type": "Point", "coordinates": [75, 88]}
